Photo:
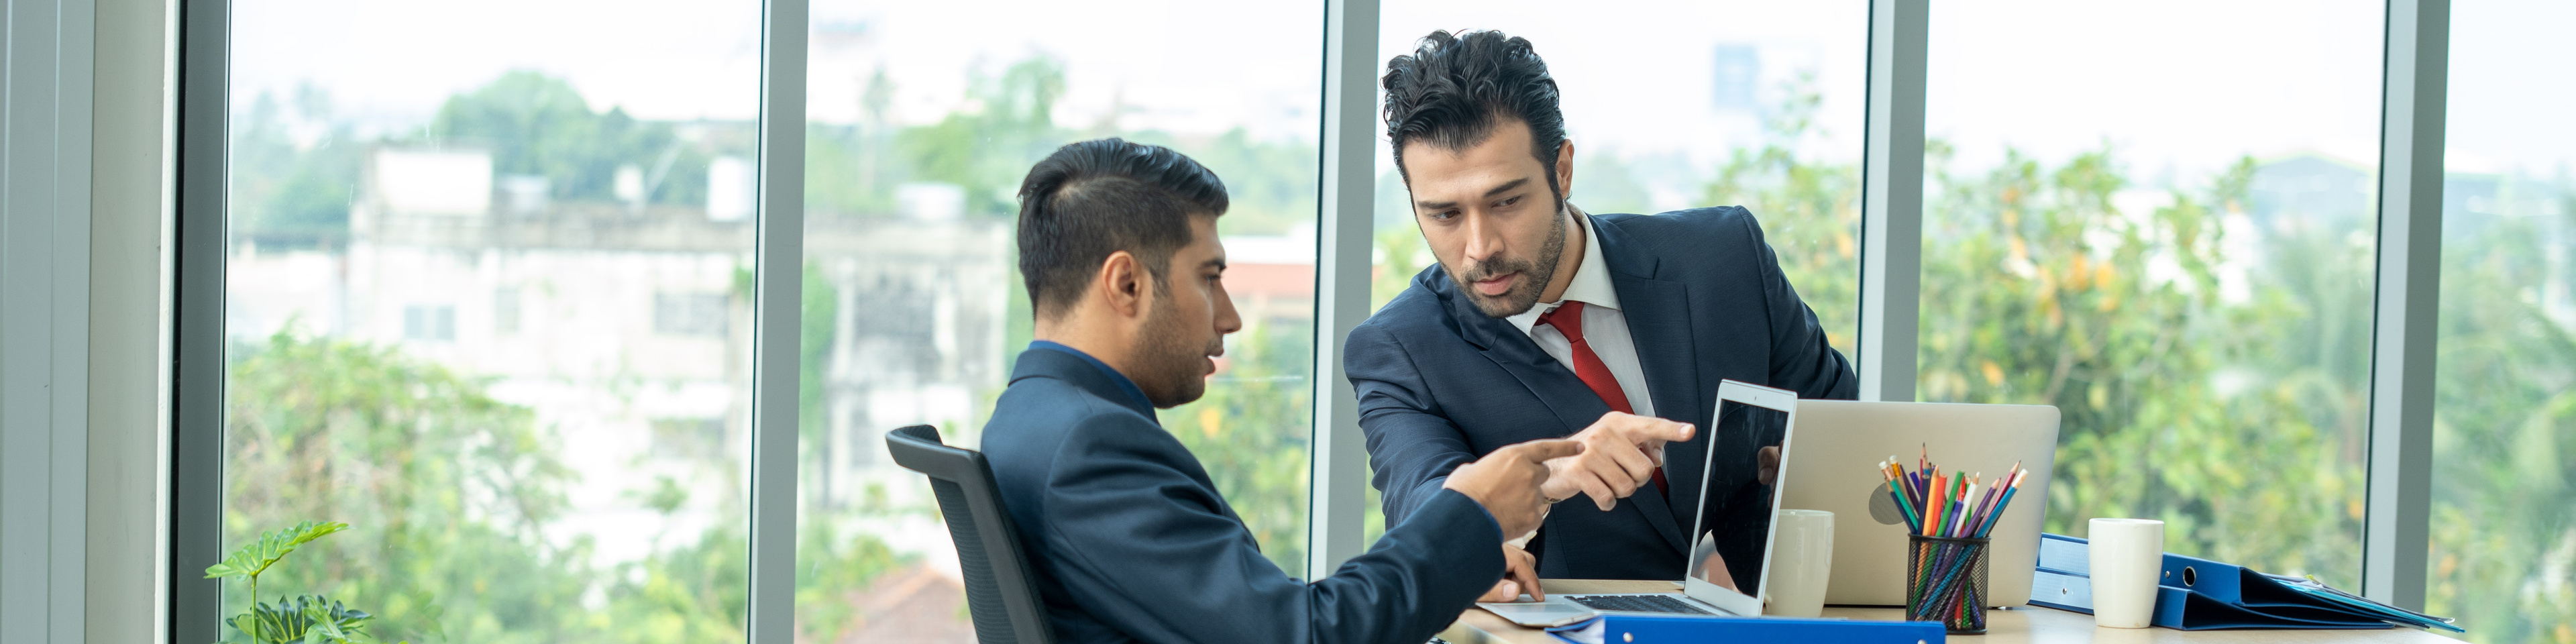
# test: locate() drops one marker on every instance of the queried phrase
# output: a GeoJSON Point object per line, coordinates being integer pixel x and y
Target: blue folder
{"type": "Point", "coordinates": [1659, 629]}
{"type": "Point", "coordinates": [2296, 602]}
{"type": "Point", "coordinates": [2061, 590]}
{"type": "Point", "coordinates": [2199, 594]}
{"type": "Point", "coordinates": [2187, 610]}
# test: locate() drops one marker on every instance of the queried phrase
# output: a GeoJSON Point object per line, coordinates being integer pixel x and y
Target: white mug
{"type": "Point", "coordinates": [1802, 559]}
{"type": "Point", "coordinates": [2127, 555]}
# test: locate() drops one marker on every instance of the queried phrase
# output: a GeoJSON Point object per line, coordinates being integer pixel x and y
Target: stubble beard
{"type": "Point", "coordinates": [1168, 364]}
{"type": "Point", "coordinates": [1537, 273]}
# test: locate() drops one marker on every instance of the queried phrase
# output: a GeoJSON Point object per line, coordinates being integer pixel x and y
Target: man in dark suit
{"type": "Point", "coordinates": [1127, 538]}
{"type": "Point", "coordinates": [1541, 322]}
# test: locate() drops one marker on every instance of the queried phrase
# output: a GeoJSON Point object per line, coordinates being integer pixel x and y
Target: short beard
{"type": "Point", "coordinates": [1520, 299]}
{"type": "Point", "coordinates": [1166, 365]}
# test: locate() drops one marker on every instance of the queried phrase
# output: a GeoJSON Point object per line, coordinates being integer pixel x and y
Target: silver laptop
{"type": "Point", "coordinates": [1707, 586]}
{"type": "Point", "coordinates": [1839, 441]}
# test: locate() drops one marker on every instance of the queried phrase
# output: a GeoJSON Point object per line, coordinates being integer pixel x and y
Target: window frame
{"type": "Point", "coordinates": [2397, 523]}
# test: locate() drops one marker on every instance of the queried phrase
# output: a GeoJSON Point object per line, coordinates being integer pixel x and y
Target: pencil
{"type": "Point", "coordinates": [2001, 503]}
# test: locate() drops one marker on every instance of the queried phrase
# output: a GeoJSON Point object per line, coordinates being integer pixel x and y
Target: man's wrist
{"type": "Point", "coordinates": [1481, 510]}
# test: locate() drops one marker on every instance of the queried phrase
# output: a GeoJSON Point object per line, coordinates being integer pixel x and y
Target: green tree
{"type": "Point", "coordinates": [1250, 432]}
{"type": "Point", "coordinates": [1810, 213]}
{"type": "Point", "coordinates": [455, 488]}
{"type": "Point", "coordinates": [289, 190]}
{"type": "Point", "coordinates": [2504, 450]}
{"type": "Point", "coordinates": [539, 125]}
{"type": "Point", "coordinates": [2037, 288]}
{"type": "Point", "coordinates": [986, 147]}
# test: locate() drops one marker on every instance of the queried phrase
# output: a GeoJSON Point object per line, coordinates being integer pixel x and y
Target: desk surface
{"type": "Point", "coordinates": [2004, 626]}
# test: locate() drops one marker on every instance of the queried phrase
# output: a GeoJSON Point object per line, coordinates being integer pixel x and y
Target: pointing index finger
{"type": "Point", "coordinates": [1545, 450]}
{"type": "Point", "coordinates": [1673, 432]}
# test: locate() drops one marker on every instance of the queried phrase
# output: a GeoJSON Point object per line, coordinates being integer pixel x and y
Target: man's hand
{"type": "Point", "coordinates": [1620, 452]}
{"type": "Point", "coordinates": [1520, 575]}
{"type": "Point", "coordinates": [1507, 482]}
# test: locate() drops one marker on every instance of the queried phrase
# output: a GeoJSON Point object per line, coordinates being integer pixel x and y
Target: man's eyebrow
{"type": "Point", "coordinates": [1507, 186]}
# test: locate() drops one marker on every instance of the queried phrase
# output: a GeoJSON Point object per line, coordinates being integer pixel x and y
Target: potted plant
{"type": "Point", "coordinates": [307, 619]}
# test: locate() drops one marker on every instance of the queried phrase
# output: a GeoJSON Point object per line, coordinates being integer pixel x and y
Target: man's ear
{"type": "Point", "coordinates": [1122, 284]}
{"type": "Point", "coordinates": [1565, 168]}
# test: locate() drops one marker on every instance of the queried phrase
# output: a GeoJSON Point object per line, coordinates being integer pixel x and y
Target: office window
{"type": "Point", "coordinates": [397, 168]}
{"type": "Point", "coordinates": [700, 314]}
{"type": "Point", "coordinates": [688, 438]}
{"type": "Point", "coordinates": [2504, 417]}
{"type": "Point", "coordinates": [429, 323]}
{"type": "Point", "coordinates": [923, 118]}
{"type": "Point", "coordinates": [505, 310]}
{"type": "Point", "coordinates": [1753, 104]}
{"type": "Point", "coordinates": [2160, 222]}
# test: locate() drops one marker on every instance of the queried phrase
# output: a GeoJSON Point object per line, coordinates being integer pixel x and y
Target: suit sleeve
{"type": "Point", "coordinates": [1150, 550]}
{"type": "Point", "coordinates": [1801, 358]}
{"type": "Point", "coordinates": [1411, 443]}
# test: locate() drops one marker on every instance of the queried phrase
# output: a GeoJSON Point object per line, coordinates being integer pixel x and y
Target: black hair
{"type": "Point", "coordinates": [1093, 198]}
{"type": "Point", "coordinates": [1453, 88]}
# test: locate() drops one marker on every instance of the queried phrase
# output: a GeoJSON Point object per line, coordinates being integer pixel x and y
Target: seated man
{"type": "Point", "coordinates": [1126, 537]}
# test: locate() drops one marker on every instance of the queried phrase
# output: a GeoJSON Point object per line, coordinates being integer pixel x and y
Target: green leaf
{"type": "Point", "coordinates": [326, 627]}
{"type": "Point", "coordinates": [305, 619]}
{"type": "Point", "coordinates": [256, 556]}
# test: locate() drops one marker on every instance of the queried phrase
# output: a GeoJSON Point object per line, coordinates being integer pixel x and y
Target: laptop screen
{"type": "Point", "coordinates": [1730, 538]}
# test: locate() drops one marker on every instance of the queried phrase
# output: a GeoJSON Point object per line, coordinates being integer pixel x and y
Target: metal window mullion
{"type": "Point", "coordinates": [45, 187]}
{"type": "Point", "coordinates": [1891, 221]}
{"type": "Point", "coordinates": [197, 323]}
{"type": "Point", "coordinates": [2396, 533]}
{"type": "Point", "coordinates": [779, 265]}
{"type": "Point", "coordinates": [1345, 199]}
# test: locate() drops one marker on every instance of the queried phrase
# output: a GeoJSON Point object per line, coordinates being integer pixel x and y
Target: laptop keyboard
{"type": "Point", "coordinates": [1639, 604]}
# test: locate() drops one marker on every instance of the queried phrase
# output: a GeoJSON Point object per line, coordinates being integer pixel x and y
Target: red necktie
{"type": "Point", "coordinates": [1568, 320]}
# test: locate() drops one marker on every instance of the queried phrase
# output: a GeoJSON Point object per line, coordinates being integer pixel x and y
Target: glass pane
{"type": "Point", "coordinates": [924, 119]}
{"type": "Point", "coordinates": [2504, 420]}
{"type": "Point", "coordinates": [1757, 104]}
{"type": "Point", "coordinates": [2163, 229]}
{"type": "Point", "coordinates": [488, 304]}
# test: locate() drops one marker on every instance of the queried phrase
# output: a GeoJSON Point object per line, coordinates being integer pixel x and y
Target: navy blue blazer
{"type": "Point", "coordinates": [1441, 384]}
{"type": "Point", "coordinates": [1130, 542]}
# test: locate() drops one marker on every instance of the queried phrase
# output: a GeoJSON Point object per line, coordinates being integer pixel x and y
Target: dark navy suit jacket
{"type": "Point", "coordinates": [1130, 542]}
{"type": "Point", "coordinates": [1441, 384]}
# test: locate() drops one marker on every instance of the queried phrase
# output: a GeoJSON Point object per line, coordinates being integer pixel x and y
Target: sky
{"type": "Point", "coordinates": [1647, 87]}
{"type": "Point", "coordinates": [2182, 87]}
{"type": "Point", "coordinates": [2178, 88]}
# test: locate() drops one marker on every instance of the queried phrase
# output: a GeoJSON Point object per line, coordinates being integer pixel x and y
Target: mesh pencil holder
{"type": "Point", "coordinates": [1945, 581]}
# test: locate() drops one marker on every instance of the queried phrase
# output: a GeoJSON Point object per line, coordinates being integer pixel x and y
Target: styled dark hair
{"type": "Point", "coordinates": [1093, 198]}
{"type": "Point", "coordinates": [1454, 90]}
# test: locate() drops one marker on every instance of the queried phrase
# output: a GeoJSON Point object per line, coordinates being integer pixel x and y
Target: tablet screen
{"type": "Point", "coordinates": [1733, 526]}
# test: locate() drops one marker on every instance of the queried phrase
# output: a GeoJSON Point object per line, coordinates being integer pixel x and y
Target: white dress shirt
{"type": "Point", "coordinates": [1604, 326]}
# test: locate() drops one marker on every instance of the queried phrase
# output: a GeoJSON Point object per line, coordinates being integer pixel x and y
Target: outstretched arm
{"type": "Point", "coordinates": [1140, 541]}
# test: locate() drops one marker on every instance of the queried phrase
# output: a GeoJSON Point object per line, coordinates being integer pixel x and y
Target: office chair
{"type": "Point", "coordinates": [998, 591]}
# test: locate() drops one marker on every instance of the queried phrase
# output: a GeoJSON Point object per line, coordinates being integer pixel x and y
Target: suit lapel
{"type": "Point", "coordinates": [1555, 386]}
{"type": "Point", "coordinates": [1659, 322]}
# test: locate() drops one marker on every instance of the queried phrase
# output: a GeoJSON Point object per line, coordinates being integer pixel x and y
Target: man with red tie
{"type": "Point", "coordinates": [1542, 321]}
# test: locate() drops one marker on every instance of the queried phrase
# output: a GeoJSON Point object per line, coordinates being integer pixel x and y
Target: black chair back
{"type": "Point", "coordinates": [999, 592]}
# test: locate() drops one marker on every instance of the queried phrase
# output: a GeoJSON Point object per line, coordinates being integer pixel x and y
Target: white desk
{"type": "Point", "coordinates": [2003, 626]}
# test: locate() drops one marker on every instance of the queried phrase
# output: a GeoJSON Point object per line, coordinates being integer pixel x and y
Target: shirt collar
{"type": "Point", "coordinates": [1124, 384]}
{"type": "Point", "coordinates": [1591, 283]}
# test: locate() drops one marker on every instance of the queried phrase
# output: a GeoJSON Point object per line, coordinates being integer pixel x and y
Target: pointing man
{"type": "Point", "coordinates": [1541, 321]}
{"type": "Point", "coordinates": [1127, 538]}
